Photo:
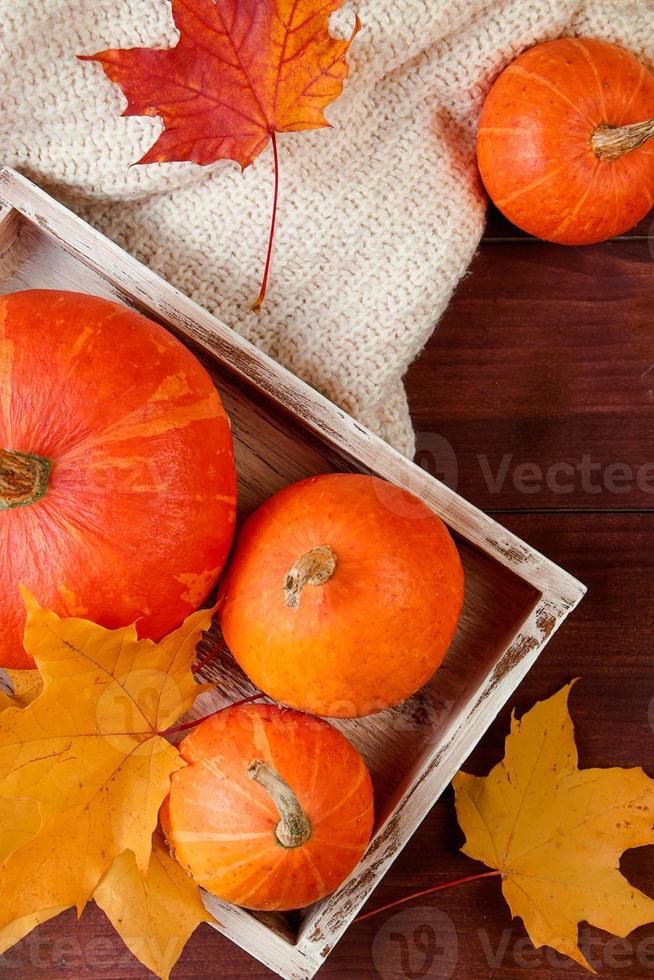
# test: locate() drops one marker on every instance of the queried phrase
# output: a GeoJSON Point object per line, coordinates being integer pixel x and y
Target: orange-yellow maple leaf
{"type": "Point", "coordinates": [86, 761]}
{"type": "Point", "coordinates": [156, 914]}
{"type": "Point", "coordinates": [556, 832]}
{"type": "Point", "coordinates": [19, 928]}
{"type": "Point", "coordinates": [20, 819]}
{"type": "Point", "coordinates": [242, 71]}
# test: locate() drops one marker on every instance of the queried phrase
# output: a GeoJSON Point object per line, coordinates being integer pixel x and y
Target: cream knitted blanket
{"type": "Point", "coordinates": [379, 216]}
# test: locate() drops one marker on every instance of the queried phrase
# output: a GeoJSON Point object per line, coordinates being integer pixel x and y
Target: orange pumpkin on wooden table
{"type": "Point", "coordinates": [117, 482]}
{"type": "Point", "coordinates": [342, 595]}
{"type": "Point", "coordinates": [273, 810]}
{"type": "Point", "coordinates": [563, 141]}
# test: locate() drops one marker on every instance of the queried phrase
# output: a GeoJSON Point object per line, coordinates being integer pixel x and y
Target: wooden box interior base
{"type": "Point", "coordinates": [514, 599]}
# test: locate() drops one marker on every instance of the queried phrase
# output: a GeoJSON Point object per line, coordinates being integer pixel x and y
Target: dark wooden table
{"type": "Point", "coordinates": [535, 398]}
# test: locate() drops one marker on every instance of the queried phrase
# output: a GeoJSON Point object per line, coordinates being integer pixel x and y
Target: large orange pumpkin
{"type": "Point", "coordinates": [117, 483]}
{"type": "Point", "coordinates": [342, 596]}
{"type": "Point", "coordinates": [562, 143]}
{"type": "Point", "coordinates": [273, 810]}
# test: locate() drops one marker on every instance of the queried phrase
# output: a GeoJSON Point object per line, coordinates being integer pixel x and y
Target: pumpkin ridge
{"type": "Point", "coordinates": [335, 843]}
{"type": "Point", "coordinates": [208, 763]}
{"type": "Point", "coordinates": [580, 203]}
{"type": "Point", "coordinates": [635, 92]}
{"type": "Point", "coordinates": [136, 426]}
{"type": "Point", "coordinates": [509, 130]}
{"type": "Point", "coordinates": [78, 516]}
{"type": "Point", "coordinates": [580, 46]}
{"type": "Point", "coordinates": [514, 69]}
{"type": "Point", "coordinates": [201, 836]}
{"type": "Point", "coordinates": [231, 866]}
{"type": "Point", "coordinates": [7, 354]}
{"type": "Point", "coordinates": [256, 878]}
{"type": "Point", "coordinates": [502, 202]}
{"type": "Point", "coordinates": [637, 178]}
{"type": "Point", "coordinates": [312, 783]}
{"type": "Point", "coordinates": [345, 799]}
{"type": "Point", "coordinates": [318, 878]}
{"type": "Point", "coordinates": [616, 202]}
{"type": "Point", "coordinates": [260, 742]}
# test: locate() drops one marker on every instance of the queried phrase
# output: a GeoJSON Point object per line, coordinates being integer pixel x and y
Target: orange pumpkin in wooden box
{"type": "Point", "coordinates": [342, 596]}
{"type": "Point", "coordinates": [273, 810]}
{"type": "Point", "coordinates": [117, 482]}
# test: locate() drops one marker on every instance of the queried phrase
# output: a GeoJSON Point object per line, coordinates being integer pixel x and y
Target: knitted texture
{"type": "Point", "coordinates": [379, 217]}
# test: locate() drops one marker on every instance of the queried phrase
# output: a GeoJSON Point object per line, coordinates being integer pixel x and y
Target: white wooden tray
{"type": "Point", "coordinates": [284, 431]}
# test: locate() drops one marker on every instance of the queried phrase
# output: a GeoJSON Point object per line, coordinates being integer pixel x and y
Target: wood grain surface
{"type": "Point", "coordinates": [546, 356]}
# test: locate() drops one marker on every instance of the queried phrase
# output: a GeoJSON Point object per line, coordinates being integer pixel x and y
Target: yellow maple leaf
{"type": "Point", "coordinates": [89, 753]}
{"type": "Point", "coordinates": [19, 928]}
{"type": "Point", "coordinates": [20, 820]}
{"type": "Point", "coordinates": [556, 832]}
{"type": "Point", "coordinates": [156, 915]}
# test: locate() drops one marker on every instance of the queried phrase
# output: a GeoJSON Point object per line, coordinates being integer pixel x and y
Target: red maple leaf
{"type": "Point", "coordinates": [242, 71]}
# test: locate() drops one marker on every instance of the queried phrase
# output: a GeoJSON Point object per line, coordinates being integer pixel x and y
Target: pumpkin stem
{"type": "Point", "coordinates": [294, 828]}
{"type": "Point", "coordinates": [315, 567]}
{"type": "Point", "coordinates": [612, 142]}
{"type": "Point", "coordinates": [23, 478]}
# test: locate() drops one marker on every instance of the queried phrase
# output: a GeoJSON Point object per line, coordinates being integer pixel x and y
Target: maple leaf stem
{"type": "Point", "coordinates": [426, 891]}
{"type": "Point", "coordinates": [196, 668]}
{"type": "Point", "coordinates": [273, 222]}
{"type": "Point", "coordinates": [198, 721]}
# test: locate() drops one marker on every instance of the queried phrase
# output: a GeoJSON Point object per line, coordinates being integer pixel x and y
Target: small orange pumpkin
{"type": "Point", "coordinates": [117, 481]}
{"type": "Point", "coordinates": [562, 144]}
{"type": "Point", "coordinates": [342, 596]}
{"type": "Point", "coordinates": [273, 810]}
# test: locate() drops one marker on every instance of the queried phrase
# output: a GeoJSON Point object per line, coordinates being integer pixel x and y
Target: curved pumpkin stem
{"type": "Point", "coordinates": [294, 828]}
{"type": "Point", "coordinates": [612, 142]}
{"type": "Point", "coordinates": [23, 478]}
{"type": "Point", "coordinates": [315, 567]}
